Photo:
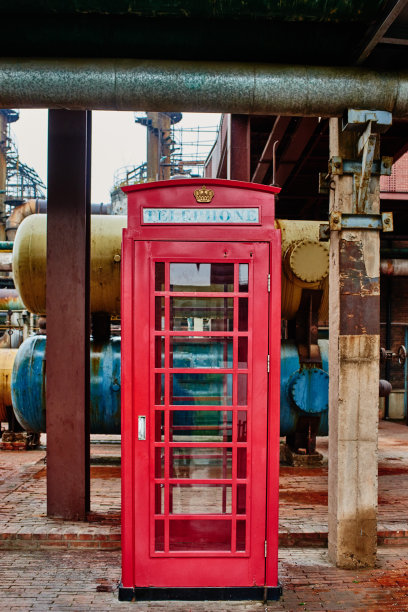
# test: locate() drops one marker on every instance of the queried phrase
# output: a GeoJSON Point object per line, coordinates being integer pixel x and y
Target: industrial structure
{"type": "Point", "coordinates": [315, 102]}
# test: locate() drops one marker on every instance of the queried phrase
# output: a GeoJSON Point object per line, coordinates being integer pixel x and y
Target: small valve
{"type": "Point", "coordinates": [400, 355]}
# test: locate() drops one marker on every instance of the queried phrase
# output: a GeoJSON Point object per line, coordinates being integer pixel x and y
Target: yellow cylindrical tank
{"type": "Point", "coordinates": [305, 264]}
{"type": "Point", "coordinates": [7, 357]}
{"type": "Point", "coordinates": [29, 262]}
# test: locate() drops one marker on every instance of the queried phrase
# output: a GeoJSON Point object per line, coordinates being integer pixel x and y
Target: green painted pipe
{"type": "Point", "coordinates": [130, 84]}
{"type": "Point", "coordinates": [6, 245]}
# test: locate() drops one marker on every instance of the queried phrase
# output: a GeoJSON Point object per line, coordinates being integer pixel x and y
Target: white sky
{"type": "Point", "coordinates": [117, 141]}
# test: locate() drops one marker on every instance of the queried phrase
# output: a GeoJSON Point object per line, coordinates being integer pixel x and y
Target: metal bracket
{"type": "Point", "coordinates": [369, 123]}
{"type": "Point", "coordinates": [342, 221]}
{"type": "Point", "coordinates": [339, 166]}
{"type": "Point", "coordinates": [354, 119]}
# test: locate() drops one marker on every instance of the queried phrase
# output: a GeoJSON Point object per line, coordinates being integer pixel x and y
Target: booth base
{"type": "Point", "coordinates": [200, 593]}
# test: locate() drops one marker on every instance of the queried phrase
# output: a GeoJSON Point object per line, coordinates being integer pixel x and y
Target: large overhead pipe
{"type": "Point", "coordinates": [131, 84]}
{"type": "Point", "coordinates": [394, 267]}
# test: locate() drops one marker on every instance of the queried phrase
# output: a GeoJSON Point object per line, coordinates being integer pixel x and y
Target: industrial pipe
{"type": "Point", "coordinates": [132, 84]}
{"type": "Point", "coordinates": [30, 262]}
{"type": "Point", "coordinates": [29, 207]}
{"type": "Point", "coordinates": [394, 267]}
{"type": "Point", "coordinates": [6, 246]}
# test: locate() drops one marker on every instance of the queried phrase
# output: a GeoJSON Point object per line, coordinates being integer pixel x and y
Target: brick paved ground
{"type": "Point", "coordinates": [47, 571]}
{"type": "Point", "coordinates": [84, 580]}
{"type": "Point", "coordinates": [303, 497]}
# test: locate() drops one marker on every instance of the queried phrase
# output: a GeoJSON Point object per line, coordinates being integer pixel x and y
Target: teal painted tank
{"type": "Point", "coordinates": [304, 391]}
{"type": "Point", "coordinates": [28, 386]}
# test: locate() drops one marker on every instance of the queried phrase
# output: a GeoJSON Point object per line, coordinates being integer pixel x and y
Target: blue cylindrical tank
{"type": "Point", "coordinates": [304, 391]}
{"type": "Point", "coordinates": [28, 386]}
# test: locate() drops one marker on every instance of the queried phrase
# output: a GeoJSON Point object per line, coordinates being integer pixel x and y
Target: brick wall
{"type": "Point", "coordinates": [398, 181]}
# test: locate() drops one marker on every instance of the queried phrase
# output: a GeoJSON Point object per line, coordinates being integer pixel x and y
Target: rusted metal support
{"type": "Point", "coordinates": [239, 148]}
{"type": "Point", "coordinates": [354, 350]}
{"type": "Point", "coordinates": [68, 244]}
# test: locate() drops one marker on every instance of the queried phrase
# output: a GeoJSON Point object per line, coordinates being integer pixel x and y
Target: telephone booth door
{"type": "Point", "coordinates": [196, 516]}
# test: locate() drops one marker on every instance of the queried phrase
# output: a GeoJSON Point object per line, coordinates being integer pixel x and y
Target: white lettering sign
{"type": "Point", "coordinates": [201, 215]}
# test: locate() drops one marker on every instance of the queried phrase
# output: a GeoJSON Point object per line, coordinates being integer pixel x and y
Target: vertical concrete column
{"type": "Point", "coordinates": [354, 348]}
{"type": "Point", "coordinates": [239, 148]}
{"type": "Point", "coordinates": [68, 356]}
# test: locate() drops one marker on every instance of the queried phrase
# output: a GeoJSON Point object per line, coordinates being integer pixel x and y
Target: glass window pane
{"type": "Point", "coordinates": [201, 463]}
{"type": "Point", "coordinates": [200, 352]}
{"type": "Point", "coordinates": [159, 536]}
{"type": "Point", "coordinates": [241, 499]}
{"type": "Point", "coordinates": [241, 536]}
{"type": "Point", "coordinates": [200, 534]}
{"type": "Point", "coordinates": [202, 277]}
{"type": "Point", "coordinates": [201, 425]}
{"type": "Point", "coordinates": [243, 314]}
{"type": "Point", "coordinates": [242, 352]}
{"type": "Point", "coordinates": [159, 320]}
{"type": "Point", "coordinates": [159, 462]}
{"type": "Point", "coordinates": [201, 314]}
{"type": "Point", "coordinates": [159, 276]}
{"type": "Point", "coordinates": [241, 463]}
{"type": "Point", "coordinates": [200, 499]}
{"type": "Point", "coordinates": [201, 389]}
{"type": "Point", "coordinates": [242, 426]}
{"type": "Point", "coordinates": [159, 426]}
{"type": "Point", "coordinates": [159, 498]}
{"type": "Point", "coordinates": [159, 389]}
{"type": "Point", "coordinates": [242, 388]}
{"type": "Point", "coordinates": [159, 352]}
{"type": "Point", "coordinates": [243, 278]}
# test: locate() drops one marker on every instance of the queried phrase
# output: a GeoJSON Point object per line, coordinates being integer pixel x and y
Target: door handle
{"type": "Point", "coordinates": [141, 428]}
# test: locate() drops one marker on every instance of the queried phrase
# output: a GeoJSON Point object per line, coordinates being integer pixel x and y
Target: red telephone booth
{"type": "Point", "coordinates": [200, 391]}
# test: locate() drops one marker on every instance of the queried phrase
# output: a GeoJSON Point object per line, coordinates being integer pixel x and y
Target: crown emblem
{"type": "Point", "coordinates": [203, 195]}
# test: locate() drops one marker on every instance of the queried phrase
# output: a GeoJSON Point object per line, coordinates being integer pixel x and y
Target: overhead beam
{"type": "Point", "coordinates": [294, 151]}
{"type": "Point", "coordinates": [279, 128]}
{"type": "Point", "coordinates": [394, 41]}
{"type": "Point", "coordinates": [238, 148]}
{"type": "Point", "coordinates": [242, 88]}
{"type": "Point", "coordinates": [379, 32]}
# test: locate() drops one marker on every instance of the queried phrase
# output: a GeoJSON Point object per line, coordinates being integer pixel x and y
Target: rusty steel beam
{"type": "Point", "coordinates": [291, 156]}
{"type": "Point", "coordinates": [278, 130]}
{"type": "Point", "coordinates": [239, 148]}
{"type": "Point", "coordinates": [68, 244]}
{"type": "Point", "coordinates": [378, 35]}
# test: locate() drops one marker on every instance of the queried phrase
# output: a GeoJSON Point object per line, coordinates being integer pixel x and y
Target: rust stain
{"type": "Point", "coordinates": [359, 293]}
{"type": "Point", "coordinates": [302, 471]}
{"type": "Point", "coordinates": [97, 471]}
{"type": "Point", "coordinates": [313, 498]}
{"type": "Point", "coordinates": [40, 474]}
{"type": "Point", "coordinates": [353, 273]}
{"type": "Point", "coordinates": [392, 471]}
{"type": "Point", "coordinates": [105, 471]}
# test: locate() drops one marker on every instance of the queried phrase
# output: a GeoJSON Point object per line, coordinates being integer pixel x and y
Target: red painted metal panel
{"type": "Point", "coordinates": [200, 527]}
{"type": "Point", "coordinates": [272, 526]}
